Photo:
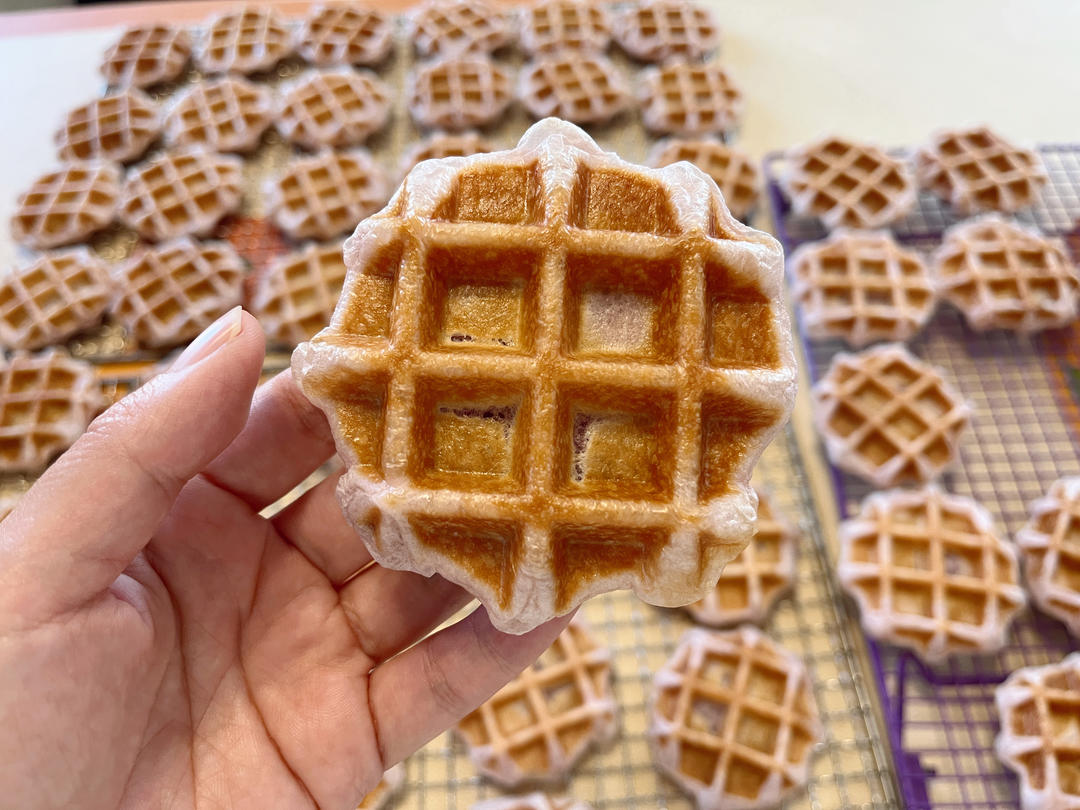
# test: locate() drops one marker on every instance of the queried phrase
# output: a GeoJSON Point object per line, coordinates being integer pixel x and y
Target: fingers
{"type": "Point", "coordinates": [423, 691]}
{"type": "Point", "coordinates": [285, 440]}
{"type": "Point", "coordinates": [85, 520]}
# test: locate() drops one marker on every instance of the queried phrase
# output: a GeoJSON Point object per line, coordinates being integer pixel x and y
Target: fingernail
{"type": "Point", "coordinates": [213, 338]}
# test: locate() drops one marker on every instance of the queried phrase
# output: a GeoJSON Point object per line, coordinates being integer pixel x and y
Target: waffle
{"type": "Point", "coordinates": [345, 35]}
{"type": "Point", "coordinates": [524, 434]}
{"type": "Point", "coordinates": [170, 293]}
{"type": "Point", "coordinates": [146, 55]}
{"type": "Point", "coordinates": [326, 195]}
{"type": "Point", "coordinates": [733, 170]}
{"type": "Point", "coordinates": [115, 128]}
{"type": "Point", "coordinates": [532, 801]}
{"type": "Point", "coordinates": [66, 205]}
{"type": "Point", "coordinates": [228, 114]}
{"type": "Point", "coordinates": [181, 194]}
{"type": "Point", "coordinates": [734, 721]}
{"type": "Point", "coordinates": [929, 573]}
{"type": "Point", "coordinates": [453, 27]}
{"type": "Point", "coordinates": [388, 786]}
{"type": "Point", "coordinates": [1038, 707]}
{"type": "Point", "coordinates": [46, 402]}
{"type": "Point", "coordinates": [751, 584]}
{"type": "Point", "coordinates": [685, 99]}
{"type": "Point", "coordinates": [8, 502]}
{"type": "Point", "coordinates": [888, 417]}
{"type": "Point", "coordinates": [1004, 276]}
{"type": "Point", "coordinates": [297, 294]}
{"type": "Point", "coordinates": [583, 88]}
{"type": "Point", "coordinates": [244, 40]}
{"type": "Point", "coordinates": [445, 144]}
{"type": "Point", "coordinates": [461, 93]}
{"type": "Point", "coordinates": [658, 30]}
{"type": "Point", "coordinates": [538, 726]}
{"type": "Point", "coordinates": [862, 287]}
{"type": "Point", "coordinates": [576, 26]}
{"type": "Point", "coordinates": [1050, 547]}
{"type": "Point", "coordinates": [978, 170]}
{"type": "Point", "coordinates": [57, 296]}
{"type": "Point", "coordinates": [850, 184]}
{"type": "Point", "coordinates": [334, 108]}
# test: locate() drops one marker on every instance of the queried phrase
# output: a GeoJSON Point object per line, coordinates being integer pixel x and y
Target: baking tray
{"type": "Point", "coordinates": [1024, 434]}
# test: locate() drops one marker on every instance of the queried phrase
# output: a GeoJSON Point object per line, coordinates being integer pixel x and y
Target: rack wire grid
{"type": "Point", "coordinates": [1025, 395]}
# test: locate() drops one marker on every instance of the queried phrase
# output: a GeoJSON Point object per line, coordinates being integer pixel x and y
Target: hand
{"type": "Point", "coordinates": [163, 645]}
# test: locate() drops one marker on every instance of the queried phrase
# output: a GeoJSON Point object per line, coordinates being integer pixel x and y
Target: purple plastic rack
{"type": "Point", "coordinates": [1025, 434]}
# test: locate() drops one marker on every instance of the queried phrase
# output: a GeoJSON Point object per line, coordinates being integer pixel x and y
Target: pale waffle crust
{"type": "Point", "coordinates": [538, 726]}
{"type": "Point", "coordinates": [930, 573]}
{"type": "Point", "coordinates": [227, 114]}
{"type": "Point", "coordinates": [1040, 736]}
{"type": "Point", "coordinates": [1002, 275]}
{"type": "Point", "coordinates": [387, 788]}
{"type": "Point", "coordinates": [888, 417]}
{"type": "Point", "coordinates": [295, 297]}
{"type": "Point", "coordinates": [583, 88]}
{"type": "Point", "coordinates": [531, 801]}
{"type": "Point", "coordinates": [66, 205]}
{"type": "Point", "coordinates": [734, 720]}
{"type": "Point", "coordinates": [244, 40]}
{"type": "Point", "coordinates": [575, 26]}
{"type": "Point", "coordinates": [481, 421]}
{"type": "Point", "coordinates": [751, 584]}
{"type": "Point", "coordinates": [734, 171]}
{"type": "Point", "coordinates": [658, 30]}
{"type": "Point", "coordinates": [862, 287]}
{"type": "Point", "coordinates": [46, 402]}
{"type": "Point", "coordinates": [334, 108]}
{"type": "Point", "coordinates": [340, 34]}
{"type": "Point", "coordinates": [849, 184]}
{"type": "Point", "coordinates": [460, 93]}
{"type": "Point", "coordinates": [116, 128]}
{"type": "Point", "coordinates": [56, 296]}
{"type": "Point", "coordinates": [978, 170]}
{"type": "Point", "coordinates": [169, 293]}
{"type": "Point", "coordinates": [689, 99]}
{"type": "Point", "coordinates": [445, 144]}
{"type": "Point", "coordinates": [451, 27]}
{"type": "Point", "coordinates": [146, 55]}
{"type": "Point", "coordinates": [1050, 547]}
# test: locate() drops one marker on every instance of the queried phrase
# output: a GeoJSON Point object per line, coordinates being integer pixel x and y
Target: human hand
{"type": "Point", "coordinates": [162, 645]}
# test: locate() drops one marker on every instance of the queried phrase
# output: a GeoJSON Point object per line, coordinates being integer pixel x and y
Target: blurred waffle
{"type": "Point", "coordinates": [340, 34]}
{"type": "Point", "coordinates": [146, 55]}
{"type": "Point", "coordinates": [658, 30]}
{"type": "Point", "coordinates": [1050, 547]}
{"type": "Point", "coordinates": [576, 26]}
{"type": "Point", "coordinates": [453, 27]}
{"type": "Point", "coordinates": [445, 144]}
{"type": "Point", "coordinates": [227, 114]}
{"type": "Point", "coordinates": [734, 171]}
{"type": "Point", "coordinates": [115, 128]}
{"type": "Point", "coordinates": [583, 88]}
{"type": "Point", "coordinates": [244, 40]}
{"type": "Point", "coordinates": [387, 788]}
{"type": "Point", "coordinates": [459, 93]}
{"type": "Point", "coordinates": [66, 205]}
{"type": "Point", "coordinates": [689, 99]}
{"type": "Point", "coordinates": [334, 108]}
{"type": "Point", "coordinates": [531, 801]}
{"type": "Point", "coordinates": [295, 297]}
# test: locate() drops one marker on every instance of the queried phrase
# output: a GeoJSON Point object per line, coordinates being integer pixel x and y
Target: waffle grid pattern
{"type": "Point", "coordinates": [344, 35]}
{"type": "Point", "coordinates": [115, 128]}
{"type": "Point", "coordinates": [577, 26]}
{"type": "Point", "coordinates": [66, 205]}
{"type": "Point", "coordinates": [445, 144]}
{"type": "Point", "coordinates": [459, 93]}
{"type": "Point", "coordinates": [229, 114]}
{"type": "Point", "coordinates": [688, 99]}
{"type": "Point", "coordinates": [146, 55]}
{"type": "Point", "coordinates": [246, 40]}
{"type": "Point", "coordinates": [657, 30]}
{"type": "Point", "coordinates": [334, 108]}
{"type": "Point", "coordinates": [443, 28]}
{"type": "Point", "coordinates": [1050, 547]}
{"type": "Point", "coordinates": [582, 88]}
{"type": "Point", "coordinates": [733, 170]}
{"type": "Point", "coordinates": [295, 297]}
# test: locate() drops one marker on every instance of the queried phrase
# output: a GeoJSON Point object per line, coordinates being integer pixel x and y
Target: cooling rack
{"type": "Point", "coordinates": [1024, 434]}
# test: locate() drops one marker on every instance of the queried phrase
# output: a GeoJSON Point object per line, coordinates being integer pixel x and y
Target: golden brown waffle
{"type": "Point", "coordinates": [460, 93]}
{"type": "Point", "coordinates": [57, 296]}
{"type": "Point", "coordinates": [583, 88]}
{"type": "Point", "coordinates": [181, 194]}
{"type": "Point", "coordinates": [453, 27]}
{"type": "Point", "coordinates": [734, 171]}
{"type": "Point", "coordinates": [1002, 275]}
{"type": "Point", "coordinates": [978, 170]}
{"type": "Point", "coordinates": [613, 418]}
{"type": "Point", "coordinates": [227, 114]}
{"type": "Point", "coordinates": [930, 573]}
{"type": "Point", "coordinates": [862, 287]}
{"type": "Point", "coordinates": [326, 195]}
{"type": "Point", "coordinates": [888, 417]}
{"type": "Point", "coordinates": [169, 293]}
{"type": "Point", "coordinates": [244, 40]}
{"type": "Point", "coordinates": [8, 502]}
{"type": "Point", "coordinates": [1038, 707]}
{"type": "Point", "coordinates": [66, 205]}
{"type": "Point", "coordinates": [146, 55]}
{"type": "Point", "coordinates": [850, 184]}
{"type": "Point", "coordinates": [657, 30]}
{"type": "Point", "coordinates": [686, 99]}
{"type": "Point", "coordinates": [334, 108]}
{"type": "Point", "coordinates": [751, 584]}
{"type": "Point", "coordinates": [295, 297]}
{"type": "Point", "coordinates": [46, 402]}
{"type": "Point", "coordinates": [340, 34]}
{"type": "Point", "coordinates": [552, 26]}
{"type": "Point", "coordinates": [734, 722]}
{"type": "Point", "coordinates": [539, 726]}
{"type": "Point", "coordinates": [1050, 547]}
{"type": "Point", "coordinates": [532, 801]}
{"type": "Point", "coordinates": [115, 128]}
{"type": "Point", "coordinates": [445, 144]}
{"type": "Point", "coordinates": [388, 786]}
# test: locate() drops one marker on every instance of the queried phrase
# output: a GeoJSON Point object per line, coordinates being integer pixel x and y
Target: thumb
{"type": "Point", "coordinates": [84, 521]}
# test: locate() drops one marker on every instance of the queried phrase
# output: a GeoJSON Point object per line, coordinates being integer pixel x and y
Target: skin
{"type": "Point", "coordinates": [162, 645]}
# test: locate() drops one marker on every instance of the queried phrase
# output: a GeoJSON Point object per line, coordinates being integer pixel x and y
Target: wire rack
{"type": "Point", "coordinates": [1024, 434]}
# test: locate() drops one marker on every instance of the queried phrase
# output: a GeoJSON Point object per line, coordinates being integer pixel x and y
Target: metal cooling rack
{"type": "Point", "coordinates": [1024, 434]}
